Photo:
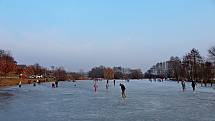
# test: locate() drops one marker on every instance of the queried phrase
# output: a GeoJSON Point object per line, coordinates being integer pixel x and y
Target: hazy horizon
{"type": "Point", "coordinates": [83, 34]}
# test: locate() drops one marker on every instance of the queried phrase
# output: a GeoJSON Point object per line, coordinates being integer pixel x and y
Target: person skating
{"type": "Point", "coordinates": [183, 85]}
{"type": "Point", "coordinates": [193, 84]}
{"type": "Point", "coordinates": [123, 90]}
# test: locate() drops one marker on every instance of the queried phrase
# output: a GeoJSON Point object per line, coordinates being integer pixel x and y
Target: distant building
{"type": "Point", "coordinates": [159, 69]}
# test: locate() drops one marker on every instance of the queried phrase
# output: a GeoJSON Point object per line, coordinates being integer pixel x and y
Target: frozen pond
{"type": "Point", "coordinates": [146, 101]}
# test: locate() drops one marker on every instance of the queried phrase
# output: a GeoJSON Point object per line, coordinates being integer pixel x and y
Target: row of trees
{"type": "Point", "coordinates": [10, 68]}
{"type": "Point", "coordinates": [192, 66]}
{"type": "Point", "coordinates": [115, 73]}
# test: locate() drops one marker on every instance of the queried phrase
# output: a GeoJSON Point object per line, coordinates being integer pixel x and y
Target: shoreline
{"type": "Point", "coordinates": [8, 82]}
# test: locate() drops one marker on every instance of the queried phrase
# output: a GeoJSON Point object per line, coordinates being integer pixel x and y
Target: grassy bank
{"type": "Point", "coordinates": [4, 82]}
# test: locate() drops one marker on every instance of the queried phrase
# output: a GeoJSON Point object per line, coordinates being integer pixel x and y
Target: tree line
{"type": "Point", "coordinates": [10, 68]}
{"type": "Point", "coordinates": [191, 66]}
{"type": "Point", "coordinates": [115, 73]}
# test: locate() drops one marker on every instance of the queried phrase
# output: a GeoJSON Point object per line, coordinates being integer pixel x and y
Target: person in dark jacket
{"type": "Point", "coordinates": [183, 85]}
{"type": "Point", "coordinates": [193, 84]}
{"type": "Point", "coordinates": [123, 90]}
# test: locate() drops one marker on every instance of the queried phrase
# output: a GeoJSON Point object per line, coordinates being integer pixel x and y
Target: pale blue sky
{"type": "Point", "coordinates": [80, 34]}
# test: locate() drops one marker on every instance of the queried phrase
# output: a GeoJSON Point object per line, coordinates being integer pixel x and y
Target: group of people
{"type": "Point", "coordinates": [107, 84]}
{"type": "Point", "coordinates": [95, 86]}
{"type": "Point", "coordinates": [29, 82]}
{"type": "Point", "coordinates": [193, 85]}
{"type": "Point", "coordinates": [55, 84]}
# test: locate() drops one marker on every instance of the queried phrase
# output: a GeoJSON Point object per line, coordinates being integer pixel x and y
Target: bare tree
{"type": "Point", "coordinates": [60, 74]}
{"type": "Point", "coordinates": [108, 73]}
{"type": "Point", "coordinates": [174, 68]}
{"type": "Point", "coordinates": [193, 62]}
{"type": "Point", "coordinates": [211, 52]}
{"type": "Point", "coordinates": [7, 63]}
